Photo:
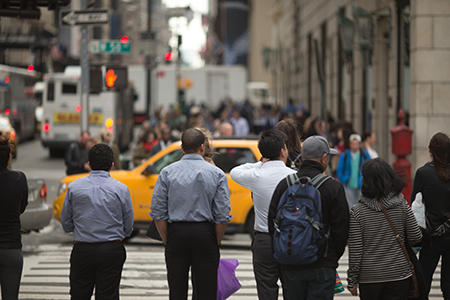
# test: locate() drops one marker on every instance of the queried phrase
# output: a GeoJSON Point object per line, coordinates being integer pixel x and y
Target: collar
{"type": "Point", "coordinates": [99, 173]}
{"type": "Point", "coordinates": [311, 165]}
{"type": "Point", "coordinates": [4, 170]}
{"type": "Point", "coordinates": [274, 164]}
{"type": "Point", "coordinates": [192, 157]}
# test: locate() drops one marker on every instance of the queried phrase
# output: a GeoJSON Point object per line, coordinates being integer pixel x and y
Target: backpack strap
{"type": "Point", "coordinates": [319, 179]}
{"type": "Point", "coordinates": [292, 179]}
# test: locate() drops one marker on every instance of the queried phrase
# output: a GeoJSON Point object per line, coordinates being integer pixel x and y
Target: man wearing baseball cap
{"type": "Point", "coordinates": [349, 169]}
{"type": "Point", "coordinates": [317, 280]}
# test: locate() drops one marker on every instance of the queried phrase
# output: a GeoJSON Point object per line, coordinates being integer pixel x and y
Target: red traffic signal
{"type": "Point", "coordinates": [110, 78]}
{"type": "Point", "coordinates": [168, 56]}
{"type": "Point", "coordinates": [30, 68]}
{"type": "Point", "coordinates": [124, 39]}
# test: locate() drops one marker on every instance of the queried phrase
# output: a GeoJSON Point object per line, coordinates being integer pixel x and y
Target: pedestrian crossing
{"type": "Point", "coordinates": [46, 273]}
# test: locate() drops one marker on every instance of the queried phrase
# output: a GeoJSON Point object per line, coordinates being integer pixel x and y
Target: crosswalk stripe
{"type": "Point", "coordinates": [46, 275]}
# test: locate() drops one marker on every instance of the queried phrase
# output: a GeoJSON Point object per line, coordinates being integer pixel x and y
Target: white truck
{"type": "Point", "coordinates": [61, 117]}
{"type": "Point", "coordinates": [209, 84]}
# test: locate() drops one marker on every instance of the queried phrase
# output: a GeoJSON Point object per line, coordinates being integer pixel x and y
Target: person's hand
{"type": "Point", "coordinates": [353, 290]}
{"type": "Point", "coordinates": [264, 160]}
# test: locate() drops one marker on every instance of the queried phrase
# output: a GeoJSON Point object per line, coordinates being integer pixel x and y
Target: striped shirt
{"type": "Point", "coordinates": [374, 253]}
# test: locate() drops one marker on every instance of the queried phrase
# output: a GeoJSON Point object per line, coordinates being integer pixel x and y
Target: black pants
{"type": "Point", "coordinates": [393, 290]}
{"type": "Point", "coordinates": [98, 265]}
{"type": "Point", "coordinates": [429, 259]}
{"type": "Point", "coordinates": [11, 264]}
{"type": "Point", "coordinates": [267, 270]}
{"type": "Point", "coordinates": [192, 245]}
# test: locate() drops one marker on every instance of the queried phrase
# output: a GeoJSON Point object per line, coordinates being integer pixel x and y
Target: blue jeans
{"type": "Point", "coordinates": [429, 259]}
{"type": "Point", "coordinates": [11, 263]}
{"type": "Point", "coordinates": [310, 284]}
{"type": "Point", "coordinates": [352, 196]}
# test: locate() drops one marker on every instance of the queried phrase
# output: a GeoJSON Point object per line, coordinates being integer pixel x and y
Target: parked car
{"type": "Point", "coordinates": [141, 181]}
{"type": "Point", "coordinates": [38, 213]}
{"type": "Point", "coordinates": [7, 129]}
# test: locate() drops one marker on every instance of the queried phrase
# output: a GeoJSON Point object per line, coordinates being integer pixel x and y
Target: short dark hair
{"type": "Point", "coordinates": [271, 143]}
{"type": "Point", "coordinates": [379, 179]}
{"type": "Point", "coordinates": [5, 151]}
{"type": "Point", "coordinates": [101, 157]}
{"type": "Point", "coordinates": [191, 140]}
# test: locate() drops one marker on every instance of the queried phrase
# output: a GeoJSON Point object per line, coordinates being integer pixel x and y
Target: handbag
{"type": "Point", "coordinates": [413, 292]}
{"type": "Point", "coordinates": [153, 232]}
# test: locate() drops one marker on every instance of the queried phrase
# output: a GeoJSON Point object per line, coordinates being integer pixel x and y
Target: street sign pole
{"type": "Point", "coordinates": [84, 60]}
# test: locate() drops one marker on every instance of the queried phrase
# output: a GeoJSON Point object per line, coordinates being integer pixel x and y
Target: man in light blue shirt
{"type": "Point", "coordinates": [191, 206]}
{"type": "Point", "coordinates": [98, 210]}
{"type": "Point", "coordinates": [262, 178]}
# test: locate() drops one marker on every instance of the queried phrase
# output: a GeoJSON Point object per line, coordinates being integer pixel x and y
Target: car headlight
{"type": "Point", "coordinates": [61, 188]}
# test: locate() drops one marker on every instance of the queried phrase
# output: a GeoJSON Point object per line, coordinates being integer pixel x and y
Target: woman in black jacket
{"type": "Point", "coordinates": [293, 130]}
{"type": "Point", "coordinates": [13, 201]}
{"type": "Point", "coordinates": [433, 181]}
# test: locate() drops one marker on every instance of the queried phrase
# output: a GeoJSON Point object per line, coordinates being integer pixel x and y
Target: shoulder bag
{"type": "Point", "coordinates": [413, 292]}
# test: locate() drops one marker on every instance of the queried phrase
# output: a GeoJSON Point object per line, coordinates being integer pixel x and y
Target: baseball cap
{"type": "Point", "coordinates": [355, 137]}
{"type": "Point", "coordinates": [316, 146]}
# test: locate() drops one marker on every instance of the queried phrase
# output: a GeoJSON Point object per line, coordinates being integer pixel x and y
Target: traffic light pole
{"type": "Point", "coordinates": [148, 62]}
{"type": "Point", "coordinates": [180, 92]}
{"type": "Point", "coordinates": [84, 61]}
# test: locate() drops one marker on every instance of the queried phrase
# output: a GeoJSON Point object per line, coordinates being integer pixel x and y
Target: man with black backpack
{"type": "Point", "coordinates": [309, 223]}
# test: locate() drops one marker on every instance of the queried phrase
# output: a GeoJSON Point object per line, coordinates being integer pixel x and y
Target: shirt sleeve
{"type": "Point", "coordinates": [67, 213]}
{"type": "Point", "coordinates": [128, 214]}
{"type": "Point", "coordinates": [221, 202]}
{"type": "Point", "coordinates": [355, 250]}
{"type": "Point", "coordinates": [413, 233]}
{"type": "Point", "coordinates": [159, 207]}
{"type": "Point", "coordinates": [245, 174]}
{"type": "Point", "coordinates": [417, 187]}
{"type": "Point", "coordinates": [339, 222]}
{"type": "Point", "coordinates": [24, 202]}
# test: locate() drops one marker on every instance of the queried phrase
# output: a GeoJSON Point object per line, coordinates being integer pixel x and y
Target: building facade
{"type": "Point", "coordinates": [399, 57]}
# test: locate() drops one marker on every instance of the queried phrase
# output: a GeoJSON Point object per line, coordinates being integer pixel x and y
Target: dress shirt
{"type": "Point", "coordinates": [241, 127]}
{"type": "Point", "coordinates": [191, 190]}
{"type": "Point", "coordinates": [262, 181]}
{"type": "Point", "coordinates": [97, 208]}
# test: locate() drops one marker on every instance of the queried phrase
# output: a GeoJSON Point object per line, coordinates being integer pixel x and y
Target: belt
{"type": "Point", "coordinates": [260, 232]}
{"type": "Point", "coordinates": [115, 241]}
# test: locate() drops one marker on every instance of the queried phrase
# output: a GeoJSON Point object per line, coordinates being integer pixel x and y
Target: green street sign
{"type": "Point", "coordinates": [111, 46]}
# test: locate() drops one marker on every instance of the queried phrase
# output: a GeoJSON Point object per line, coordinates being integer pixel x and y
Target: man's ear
{"type": "Point", "coordinates": [202, 148]}
{"type": "Point", "coordinates": [112, 166]}
{"type": "Point", "coordinates": [182, 148]}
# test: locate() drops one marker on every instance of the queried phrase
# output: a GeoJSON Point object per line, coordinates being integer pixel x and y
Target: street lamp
{"type": "Point", "coordinates": [364, 26]}
{"type": "Point", "coordinates": [347, 34]}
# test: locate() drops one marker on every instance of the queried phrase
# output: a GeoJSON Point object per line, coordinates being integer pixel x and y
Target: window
{"type": "Point", "coordinates": [69, 88]}
{"type": "Point", "coordinates": [228, 158]}
{"type": "Point", "coordinates": [167, 160]}
{"type": "Point", "coordinates": [51, 91]}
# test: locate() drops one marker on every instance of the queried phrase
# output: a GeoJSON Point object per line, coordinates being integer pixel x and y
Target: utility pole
{"type": "Point", "coordinates": [180, 91]}
{"type": "Point", "coordinates": [148, 61]}
{"type": "Point", "coordinates": [84, 61]}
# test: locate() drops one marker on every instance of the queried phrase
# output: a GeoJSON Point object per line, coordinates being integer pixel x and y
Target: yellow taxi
{"type": "Point", "coordinates": [141, 181]}
{"type": "Point", "coordinates": [8, 130]}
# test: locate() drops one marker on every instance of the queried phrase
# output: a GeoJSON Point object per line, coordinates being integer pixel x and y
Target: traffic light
{"type": "Point", "coordinates": [30, 68]}
{"type": "Point", "coordinates": [124, 39]}
{"type": "Point", "coordinates": [116, 77]}
{"type": "Point", "coordinates": [168, 57]}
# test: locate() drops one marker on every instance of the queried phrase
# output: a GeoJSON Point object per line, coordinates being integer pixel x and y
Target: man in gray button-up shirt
{"type": "Point", "coordinates": [191, 206]}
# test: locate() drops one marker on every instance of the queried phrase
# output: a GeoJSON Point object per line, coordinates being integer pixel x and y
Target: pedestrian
{"type": "Point", "coordinates": [349, 169]}
{"type": "Point", "coordinates": [377, 263]}
{"type": "Point", "coordinates": [98, 210]}
{"type": "Point", "coordinates": [191, 206]}
{"type": "Point", "coordinates": [164, 142]}
{"type": "Point", "coordinates": [262, 178]}
{"type": "Point", "coordinates": [144, 148]}
{"type": "Point", "coordinates": [77, 155]}
{"type": "Point", "coordinates": [240, 124]}
{"type": "Point", "coordinates": [14, 200]}
{"type": "Point", "coordinates": [226, 129]}
{"type": "Point", "coordinates": [316, 280]}
{"type": "Point", "coordinates": [108, 138]}
{"type": "Point", "coordinates": [368, 141]}
{"type": "Point", "coordinates": [433, 181]}
{"type": "Point", "coordinates": [294, 145]}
